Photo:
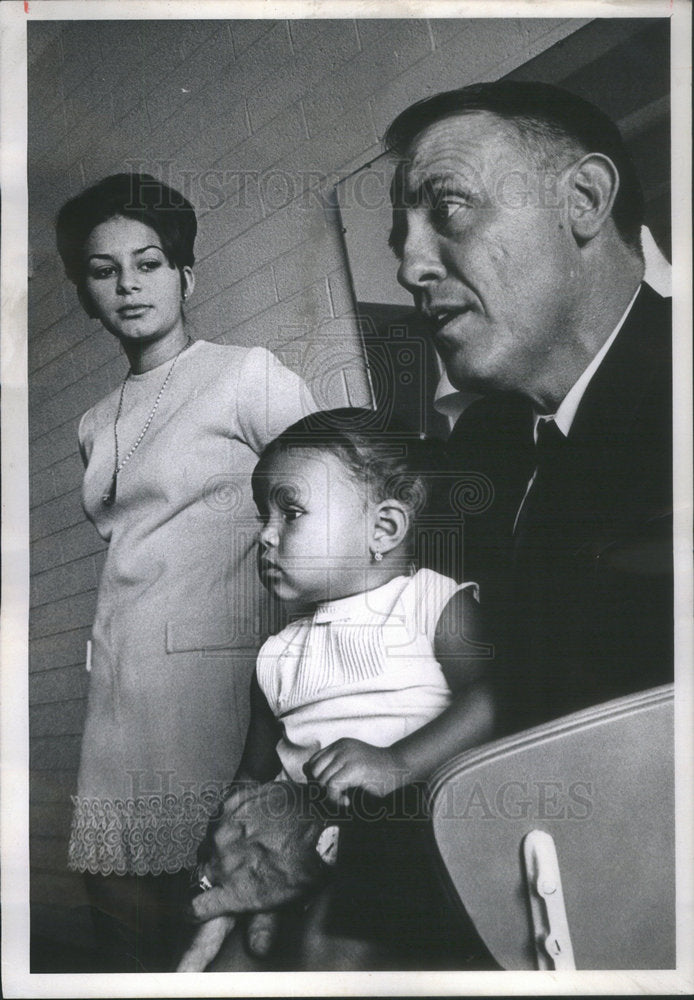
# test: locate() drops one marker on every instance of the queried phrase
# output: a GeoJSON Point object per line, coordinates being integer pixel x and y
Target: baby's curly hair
{"type": "Point", "coordinates": [389, 463]}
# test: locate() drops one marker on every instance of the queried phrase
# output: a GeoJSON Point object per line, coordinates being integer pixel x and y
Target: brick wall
{"type": "Point", "coordinates": [252, 119]}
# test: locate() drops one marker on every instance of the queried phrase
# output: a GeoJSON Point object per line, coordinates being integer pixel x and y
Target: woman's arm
{"type": "Point", "coordinates": [465, 660]}
{"type": "Point", "coordinates": [259, 761]}
{"type": "Point", "coordinates": [269, 398]}
{"type": "Point", "coordinates": [85, 437]}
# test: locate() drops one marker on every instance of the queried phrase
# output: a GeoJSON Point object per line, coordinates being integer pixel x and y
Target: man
{"type": "Point", "coordinates": [516, 220]}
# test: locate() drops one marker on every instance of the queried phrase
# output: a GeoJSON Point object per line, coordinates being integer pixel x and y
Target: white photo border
{"type": "Point", "coordinates": [17, 981]}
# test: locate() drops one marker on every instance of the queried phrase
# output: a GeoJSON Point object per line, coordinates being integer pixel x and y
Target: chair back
{"type": "Point", "coordinates": [600, 783]}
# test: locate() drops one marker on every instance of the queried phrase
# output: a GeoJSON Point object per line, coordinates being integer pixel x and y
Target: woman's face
{"type": "Point", "coordinates": [129, 284]}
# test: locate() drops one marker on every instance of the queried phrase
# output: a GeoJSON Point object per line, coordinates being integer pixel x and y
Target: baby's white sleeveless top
{"type": "Point", "coordinates": [361, 667]}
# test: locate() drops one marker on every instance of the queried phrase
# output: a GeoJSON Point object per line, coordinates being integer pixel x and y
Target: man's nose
{"type": "Point", "coordinates": [421, 263]}
{"type": "Point", "coordinates": [269, 536]}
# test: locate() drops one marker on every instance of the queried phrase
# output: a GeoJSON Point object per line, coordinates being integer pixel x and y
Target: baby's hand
{"type": "Point", "coordinates": [349, 764]}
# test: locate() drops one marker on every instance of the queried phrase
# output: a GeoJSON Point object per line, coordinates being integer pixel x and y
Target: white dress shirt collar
{"type": "Point", "coordinates": [566, 412]}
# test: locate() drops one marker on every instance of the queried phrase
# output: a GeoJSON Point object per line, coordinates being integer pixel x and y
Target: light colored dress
{"type": "Point", "coordinates": [180, 611]}
{"type": "Point", "coordinates": [361, 667]}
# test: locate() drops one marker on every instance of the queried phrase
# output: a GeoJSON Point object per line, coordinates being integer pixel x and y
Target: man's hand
{"type": "Point", "coordinates": [260, 852]}
{"type": "Point", "coordinates": [350, 763]}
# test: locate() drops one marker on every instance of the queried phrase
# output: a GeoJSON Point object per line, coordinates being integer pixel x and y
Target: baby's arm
{"type": "Point", "coordinates": [206, 943]}
{"type": "Point", "coordinates": [259, 763]}
{"type": "Point", "coordinates": [465, 660]}
{"type": "Point", "coordinates": [259, 760]}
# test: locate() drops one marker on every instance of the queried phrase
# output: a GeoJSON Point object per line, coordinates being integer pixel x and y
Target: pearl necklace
{"type": "Point", "coordinates": [108, 499]}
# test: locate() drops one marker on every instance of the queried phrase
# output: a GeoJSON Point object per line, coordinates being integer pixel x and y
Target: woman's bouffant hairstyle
{"type": "Point", "coordinates": [549, 119]}
{"type": "Point", "coordinates": [131, 196]}
{"type": "Point", "coordinates": [389, 463]}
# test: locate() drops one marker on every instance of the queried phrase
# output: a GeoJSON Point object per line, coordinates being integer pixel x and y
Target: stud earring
{"type": "Point", "coordinates": [377, 556]}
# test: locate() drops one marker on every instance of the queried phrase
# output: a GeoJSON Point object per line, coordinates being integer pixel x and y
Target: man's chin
{"type": "Point", "coordinates": [466, 379]}
{"type": "Point", "coordinates": [469, 374]}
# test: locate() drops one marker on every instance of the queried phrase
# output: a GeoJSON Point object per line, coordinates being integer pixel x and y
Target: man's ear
{"type": "Point", "coordinates": [391, 522]}
{"type": "Point", "coordinates": [594, 183]}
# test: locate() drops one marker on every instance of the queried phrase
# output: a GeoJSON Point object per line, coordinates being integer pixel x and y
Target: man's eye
{"type": "Point", "coordinates": [444, 209]}
{"type": "Point", "coordinates": [291, 515]}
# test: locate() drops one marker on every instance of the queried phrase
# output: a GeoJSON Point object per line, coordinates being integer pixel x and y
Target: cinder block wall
{"type": "Point", "coordinates": [252, 120]}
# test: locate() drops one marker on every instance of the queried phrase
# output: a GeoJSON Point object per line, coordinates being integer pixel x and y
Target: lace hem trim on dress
{"type": "Point", "coordinates": [151, 834]}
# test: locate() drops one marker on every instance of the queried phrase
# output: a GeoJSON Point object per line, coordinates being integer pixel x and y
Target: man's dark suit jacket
{"type": "Point", "coordinates": [580, 600]}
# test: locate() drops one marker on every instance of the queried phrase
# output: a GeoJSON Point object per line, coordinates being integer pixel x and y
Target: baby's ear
{"type": "Point", "coordinates": [391, 524]}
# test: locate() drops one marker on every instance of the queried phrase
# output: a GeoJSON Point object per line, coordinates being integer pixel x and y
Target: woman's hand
{"type": "Point", "coordinates": [349, 764]}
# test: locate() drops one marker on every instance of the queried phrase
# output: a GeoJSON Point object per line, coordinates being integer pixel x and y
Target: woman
{"type": "Point", "coordinates": [168, 457]}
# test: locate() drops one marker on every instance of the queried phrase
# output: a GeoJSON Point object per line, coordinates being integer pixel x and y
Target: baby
{"type": "Point", "coordinates": [383, 677]}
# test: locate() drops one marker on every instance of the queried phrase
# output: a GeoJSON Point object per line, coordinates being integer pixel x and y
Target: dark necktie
{"type": "Point", "coordinates": [548, 447]}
